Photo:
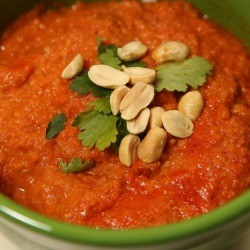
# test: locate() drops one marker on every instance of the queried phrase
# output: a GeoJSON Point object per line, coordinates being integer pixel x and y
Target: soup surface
{"type": "Point", "coordinates": [193, 176]}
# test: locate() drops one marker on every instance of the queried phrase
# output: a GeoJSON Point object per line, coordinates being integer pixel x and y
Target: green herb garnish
{"type": "Point", "coordinates": [98, 129]}
{"type": "Point", "coordinates": [98, 126]}
{"type": "Point", "coordinates": [83, 85]}
{"type": "Point", "coordinates": [179, 75]}
{"type": "Point", "coordinates": [75, 165]}
{"type": "Point", "coordinates": [108, 54]}
{"type": "Point", "coordinates": [55, 126]}
{"type": "Point", "coordinates": [141, 64]}
{"type": "Point", "coordinates": [101, 105]}
{"type": "Point", "coordinates": [122, 132]}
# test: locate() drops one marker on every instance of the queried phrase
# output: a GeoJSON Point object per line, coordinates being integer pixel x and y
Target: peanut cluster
{"type": "Point", "coordinates": [132, 101]}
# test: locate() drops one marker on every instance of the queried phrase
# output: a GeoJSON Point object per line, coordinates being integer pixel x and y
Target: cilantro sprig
{"type": "Point", "coordinates": [97, 129]}
{"type": "Point", "coordinates": [101, 105]}
{"type": "Point", "coordinates": [179, 75]}
{"type": "Point", "coordinates": [122, 132]}
{"type": "Point", "coordinates": [141, 64]}
{"type": "Point", "coordinates": [108, 55]}
{"type": "Point", "coordinates": [83, 85]}
{"type": "Point", "coordinates": [55, 126]}
{"type": "Point", "coordinates": [75, 165]}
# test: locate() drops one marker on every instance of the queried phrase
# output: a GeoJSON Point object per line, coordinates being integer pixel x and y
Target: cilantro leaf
{"type": "Point", "coordinates": [101, 105]}
{"type": "Point", "coordinates": [100, 92]}
{"type": "Point", "coordinates": [122, 132]}
{"type": "Point", "coordinates": [136, 64]}
{"type": "Point", "coordinates": [114, 49]}
{"type": "Point", "coordinates": [75, 165]}
{"type": "Point", "coordinates": [108, 58]}
{"type": "Point", "coordinates": [101, 47]}
{"type": "Point", "coordinates": [84, 118]}
{"type": "Point", "coordinates": [55, 126]}
{"type": "Point", "coordinates": [98, 129]}
{"type": "Point", "coordinates": [83, 85]}
{"type": "Point", "coordinates": [108, 54]}
{"type": "Point", "coordinates": [178, 75]}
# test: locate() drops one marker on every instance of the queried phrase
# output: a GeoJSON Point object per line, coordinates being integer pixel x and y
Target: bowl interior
{"type": "Point", "coordinates": [229, 13]}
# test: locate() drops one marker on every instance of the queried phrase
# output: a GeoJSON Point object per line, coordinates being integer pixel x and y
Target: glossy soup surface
{"type": "Point", "coordinates": [193, 176]}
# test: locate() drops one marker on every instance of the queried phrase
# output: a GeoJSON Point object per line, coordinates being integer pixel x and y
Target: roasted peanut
{"type": "Point", "coordinates": [138, 74]}
{"type": "Point", "coordinates": [132, 51]}
{"type": "Point", "coordinates": [191, 104]}
{"type": "Point", "coordinates": [151, 147]}
{"type": "Point", "coordinates": [138, 97]}
{"type": "Point", "coordinates": [116, 98]}
{"type": "Point", "coordinates": [155, 117]}
{"type": "Point", "coordinates": [177, 124]}
{"type": "Point", "coordinates": [73, 68]}
{"type": "Point", "coordinates": [107, 77]}
{"type": "Point", "coordinates": [170, 51]}
{"type": "Point", "coordinates": [128, 150]}
{"type": "Point", "coordinates": [139, 123]}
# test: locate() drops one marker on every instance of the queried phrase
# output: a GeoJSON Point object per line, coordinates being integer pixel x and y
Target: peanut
{"type": "Point", "coordinates": [73, 68]}
{"type": "Point", "coordinates": [128, 150]}
{"type": "Point", "coordinates": [177, 124]}
{"type": "Point", "coordinates": [170, 51]}
{"type": "Point", "coordinates": [191, 104]}
{"type": "Point", "coordinates": [116, 98]}
{"type": "Point", "coordinates": [138, 97]}
{"type": "Point", "coordinates": [155, 117]}
{"type": "Point", "coordinates": [132, 51]}
{"type": "Point", "coordinates": [139, 74]}
{"type": "Point", "coordinates": [151, 148]}
{"type": "Point", "coordinates": [107, 77]}
{"type": "Point", "coordinates": [139, 123]}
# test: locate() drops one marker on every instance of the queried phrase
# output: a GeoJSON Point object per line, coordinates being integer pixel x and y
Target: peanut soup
{"type": "Point", "coordinates": [172, 167]}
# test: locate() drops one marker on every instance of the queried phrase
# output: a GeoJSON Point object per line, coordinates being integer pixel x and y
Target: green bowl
{"type": "Point", "coordinates": [215, 230]}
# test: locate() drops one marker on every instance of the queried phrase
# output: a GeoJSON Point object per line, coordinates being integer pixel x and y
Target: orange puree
{"type": "Point", "coordinates": [193, 176]}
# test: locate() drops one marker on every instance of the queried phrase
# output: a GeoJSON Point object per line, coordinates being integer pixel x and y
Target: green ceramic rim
{"type": "Point", "coordinates": [135, 237]}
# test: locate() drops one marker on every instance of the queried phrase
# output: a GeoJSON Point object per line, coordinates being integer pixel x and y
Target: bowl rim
{"type": "Point", "coordinates": [28, 219]}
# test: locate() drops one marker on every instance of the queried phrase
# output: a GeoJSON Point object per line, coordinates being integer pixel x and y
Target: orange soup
{"type": "Point", "coordinates": [194, 175]}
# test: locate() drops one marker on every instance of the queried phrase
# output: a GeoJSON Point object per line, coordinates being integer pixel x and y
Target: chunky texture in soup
{"type": "Point", "coordinates": [193, 176]}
